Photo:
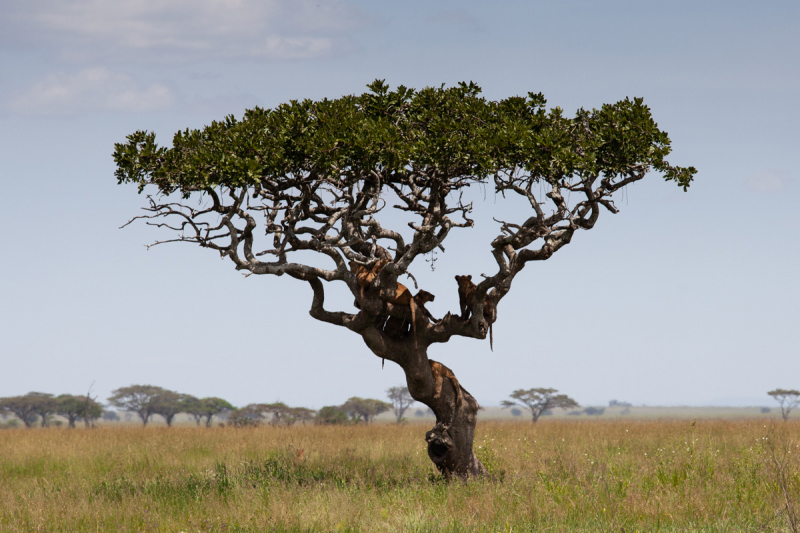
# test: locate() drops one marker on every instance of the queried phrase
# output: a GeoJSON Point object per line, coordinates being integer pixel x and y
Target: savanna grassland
{"type": "Point", "coordinates": [618, 475]}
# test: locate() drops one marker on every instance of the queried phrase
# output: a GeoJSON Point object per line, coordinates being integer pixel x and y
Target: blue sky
{"type": "Point", "coordinates": [682, 298]}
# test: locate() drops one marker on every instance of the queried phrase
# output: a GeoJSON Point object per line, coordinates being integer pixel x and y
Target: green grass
{"type": "Point", "coordinates": [618, 475]}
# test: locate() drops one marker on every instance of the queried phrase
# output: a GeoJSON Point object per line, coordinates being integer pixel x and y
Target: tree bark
{"type": "Point", "coordinates": [450, 441]}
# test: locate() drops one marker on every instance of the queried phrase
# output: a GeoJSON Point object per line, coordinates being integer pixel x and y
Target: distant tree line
{"type": "Point", "coordinates": [149, 400]}
{"type": "Point", "coordinates": [40, 407]}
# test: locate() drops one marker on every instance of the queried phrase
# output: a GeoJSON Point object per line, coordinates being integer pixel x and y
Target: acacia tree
{"type": "Point", "coordinates": [401, 400]}
{"type": "Point", "coordinates": [44, 405]}
{"type": "Point", "coordinates": [331, 415]}
{"type": "Point", "coordinates": [302, 414]}
{"type": "Point", "coordinates": [23, 407]}
{"type": "Point", "coordinates": [788, 400]}
{"type": "Point", "coordinates": [537, 401]}
{"type": "Point", "coordinates": [168, 403]}
{"type": "Point", "coordinates": [140, 399]}
{"type": "Point", "coordinates": [206, 408]}
{"type": "Point", "coordinates": [247, 416]}
{"type": "Point", "coordinates": [73, 407]}
{"type": "Point", "coordinates": [280, 413]}
{"type": "Point", "coordinates": [320, 176]}
{"type": "Point", "coordinates": [364, 409]}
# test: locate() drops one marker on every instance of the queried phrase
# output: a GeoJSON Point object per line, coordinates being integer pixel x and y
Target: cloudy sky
{"type": "Point", "coordinates": [682, 298]}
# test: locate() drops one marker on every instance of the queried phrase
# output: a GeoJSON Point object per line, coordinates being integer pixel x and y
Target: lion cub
{"type": "Point", "coordinates": [440, 372]}
{"type": "Point", "coordinates": [365, 275]}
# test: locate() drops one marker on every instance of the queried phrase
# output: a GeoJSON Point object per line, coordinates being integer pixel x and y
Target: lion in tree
{"type": "Point", "coordinates": [315, 176]}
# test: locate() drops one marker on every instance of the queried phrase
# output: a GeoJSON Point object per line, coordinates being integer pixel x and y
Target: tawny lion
{"type": "Point", "coordinates": [440, 372]}
{"type": "Point", "coordinates": [402, 296]}
{"type": "Point", "coordinates": [466, 299]}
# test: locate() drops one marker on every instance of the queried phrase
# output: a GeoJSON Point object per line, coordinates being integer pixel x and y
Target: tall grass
{"type": "Point", "coordinates": [550, 476]}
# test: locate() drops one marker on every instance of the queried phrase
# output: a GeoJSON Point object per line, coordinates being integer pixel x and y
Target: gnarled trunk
{"type": "Point", "coordinates": [450, 442]}
{"type": "Point", "coordinates": [451, 439]}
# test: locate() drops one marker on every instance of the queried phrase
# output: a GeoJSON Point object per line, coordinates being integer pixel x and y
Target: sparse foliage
{"type": "Point", "coordinates": [539, 400]}
{"type": "Point", "coordinates": [401, 400]}
{"type": "Point", "coordinates": [788, 400]}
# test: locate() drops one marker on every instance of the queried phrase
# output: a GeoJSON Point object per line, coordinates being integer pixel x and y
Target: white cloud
{"type": "Point", "coordinates": [91, 89]}
{"type": "Point", "coordinates": [177, 30]}
{"type": "Point", "coordinates": [769, 181]}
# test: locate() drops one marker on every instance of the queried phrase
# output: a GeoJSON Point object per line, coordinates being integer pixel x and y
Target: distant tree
{"type": "Point", "coordinates": [194, 407]}
{"type": "Point", "coordinates": [516, 412]}
{"type": "Point", "coordinates": [539, 400]}
{"type": "Point", "coordinates": [615, 403]}
{"type": "Point", "coordinates": [594, 411]}
{"type": "Point", "coordinates": [303, 414]}
{"type": "Point", "coordinates": [168, 403]}
{"type": "Point", "coordinates": [139, 399]}
{"type": "Point", "coordinates": [331, 415]}
{"type": "Point", "coordinates": [205, 408]}
{"type": "Point", "coordinates": [364, 408]}
{"type": "Point", "coordinates": [90, 411]}
{"type": "Point", "coordinates": [280, 413]}
{"type": "Point", "coordinates": [765, 410]}
{"type": "Point", "coordinates": [401, 400]}
{"type": "Point", "coordinates": [23, 407]}
{"type": "Point", "coordinates": [74, 407]}
{"type": "Point", "coordinates": [110, 416]}
{"type": "Point", "coordinates": [247, 416]}
{"type": "Point", "coordinates": [788, 400]}
{"type": "Point", "coordinates": [44, 405]}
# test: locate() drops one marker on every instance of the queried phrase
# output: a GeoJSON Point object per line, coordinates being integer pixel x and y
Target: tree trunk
{"type": "Point", "coordinates": [450, 440]}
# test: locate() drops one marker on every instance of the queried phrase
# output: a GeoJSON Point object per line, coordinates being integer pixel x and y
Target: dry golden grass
{"type": "Point", "coordinates": [551, 476]}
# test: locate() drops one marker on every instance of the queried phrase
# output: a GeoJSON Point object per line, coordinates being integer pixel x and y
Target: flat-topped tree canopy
{"type": "Point", "coordinates": [321, 175]}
